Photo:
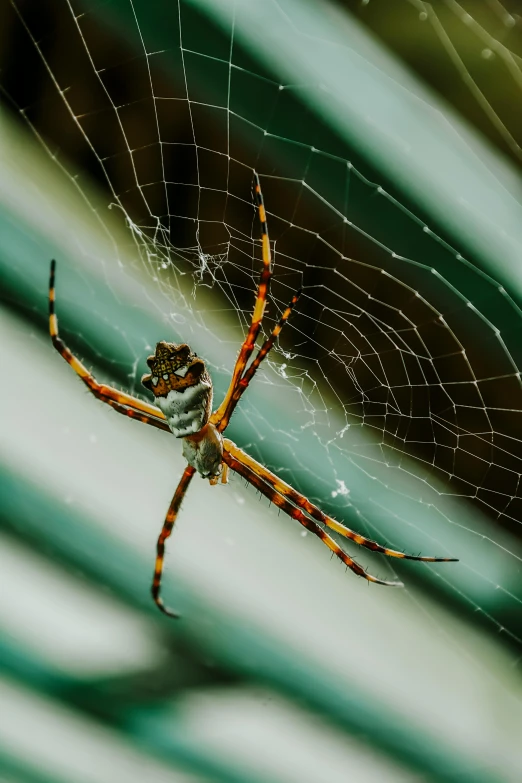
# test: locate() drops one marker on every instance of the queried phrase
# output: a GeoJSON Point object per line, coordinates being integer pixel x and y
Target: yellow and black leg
{"type": "Point", "coordinates": [120, 401]}
{"type": "Point", "coordinates": [166, 530]}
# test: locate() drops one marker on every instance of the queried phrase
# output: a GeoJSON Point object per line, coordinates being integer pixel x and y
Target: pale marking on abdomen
{"type": "Point", "coordinates": [185, 410]}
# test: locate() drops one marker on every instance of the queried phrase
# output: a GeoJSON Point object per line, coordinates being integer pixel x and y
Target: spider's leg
{"type": "Point", "coordinates": [120, 401]}
{"type": "Point", "coordinates": [243, 383]}
{"type": "Point", "coordinates": [296, 513]}
{"type": "Point", "coordinates": [166, 530]}
{"type": "Point", "coordinates": [267, 345]}
{"type": "Point", "coordinates": [282, 488]}
{"type": "Point", "coordinates": [257, 316]}
{"type": "Point", "coordinates": [133, 414]}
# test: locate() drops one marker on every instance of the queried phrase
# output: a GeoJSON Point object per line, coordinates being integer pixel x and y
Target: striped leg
{"type": "Point", "coordinates": [120, 401]}
{"type": "Point", "coordinates": [166, 530]}
{"type": "Point", "coordinates": [243, 383]}
{"type": "Point", "coordinates": [296, 513]}
{"type": "Point", "coordinates": [282, 488]}
{"type": "Point", "coordinates": [133, 414]}
{"type": "Point", "coordinates": [257, 316]}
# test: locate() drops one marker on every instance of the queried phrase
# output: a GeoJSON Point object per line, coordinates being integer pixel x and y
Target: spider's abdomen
{"type": "Point", "coordinates": [187, 410]}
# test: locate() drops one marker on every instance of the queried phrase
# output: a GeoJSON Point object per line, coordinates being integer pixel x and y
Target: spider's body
{"type": "Point", "coordinates": [181, 386]}
{"type": "Point", "coordinates": [182, 391]}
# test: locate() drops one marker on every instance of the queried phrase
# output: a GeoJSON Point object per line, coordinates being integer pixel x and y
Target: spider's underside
{"type": "Point", "coordinates": [182, 390]}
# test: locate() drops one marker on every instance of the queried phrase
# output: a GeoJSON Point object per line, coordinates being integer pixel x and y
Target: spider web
{"type": "Point", "coordinates": [402, 364]}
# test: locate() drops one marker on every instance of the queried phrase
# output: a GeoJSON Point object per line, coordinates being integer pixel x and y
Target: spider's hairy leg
{"type": "Point", "coordinates": [243, 383]}
{"type": "Point", "coordinates": [302, 502]}
{"type": "Point", "coordinates": [133, 414]}
{"type": "Point", "coordinates": [120, 401]}
{"type": "Point", "coordinates": [257, 316]}
{"type": "Point", "coordinates": [269, 342]}
{"type": "Point", "coordinates": [296, 513]}
{"type": "Point", "coordinates": [166, 530]}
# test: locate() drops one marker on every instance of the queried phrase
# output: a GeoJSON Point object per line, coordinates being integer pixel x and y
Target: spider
{"type": "Point", "coordinates": [182, 390]}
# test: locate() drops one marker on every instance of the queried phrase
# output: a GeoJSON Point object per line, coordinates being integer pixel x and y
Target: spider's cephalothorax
{"type": "Point", "coordinates": [182, 387]}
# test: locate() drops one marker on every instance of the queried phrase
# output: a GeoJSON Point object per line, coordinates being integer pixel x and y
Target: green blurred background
{"type": "Point", "coordinates": [386, 135]}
